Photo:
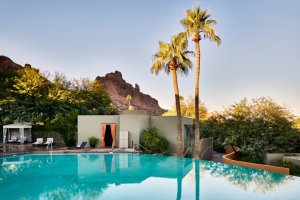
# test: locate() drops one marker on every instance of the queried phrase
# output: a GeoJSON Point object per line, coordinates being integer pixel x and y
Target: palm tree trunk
{"type": "Point", "coordinates": [197, 76]}
{"type": "Point", "coordinates": [179, 120]}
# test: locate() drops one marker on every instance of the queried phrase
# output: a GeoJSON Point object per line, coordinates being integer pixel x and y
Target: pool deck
{"type": "Point", "coordinates": [12, 149]}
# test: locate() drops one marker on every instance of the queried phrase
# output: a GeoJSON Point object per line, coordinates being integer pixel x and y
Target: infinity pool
{"type": "Point", "coordinates": [136, 176]}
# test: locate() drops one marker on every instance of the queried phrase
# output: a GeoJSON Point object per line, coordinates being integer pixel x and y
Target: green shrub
{"type": "Point", "coordinates": [154, 142]}
{"type": "Point", "coordinates": [252, 159]}
{"type": "Point", "coordinates": [93, 141]}
{"type": "Point", "coordinates": [66, 125]}
{"type": "Point", "coordinates": [294, 169]}
{"type": "Point", "coordinates": [256, 126]}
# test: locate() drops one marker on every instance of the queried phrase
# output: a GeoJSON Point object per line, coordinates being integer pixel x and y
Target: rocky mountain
{"type": "Point", "coordinates": [7, 64]}
{"type": "Point", "coordinates": [118, 89]}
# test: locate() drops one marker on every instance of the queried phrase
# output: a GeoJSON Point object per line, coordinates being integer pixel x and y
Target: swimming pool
{"type": "Point", "coordinates": [136, 176]}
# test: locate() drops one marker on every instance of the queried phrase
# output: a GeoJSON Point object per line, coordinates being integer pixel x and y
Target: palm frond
{"type": "Point", "coordinates": [198, 21]}
{"type": "Point", "coordinates": [172, 56]}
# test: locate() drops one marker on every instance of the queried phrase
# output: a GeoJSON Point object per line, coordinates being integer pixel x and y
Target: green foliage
{"type": "Point", "coordinates": [28, 95]}
{"type": "Point", "coordinates": [252, 159]}
{"type": "Point", "coordinates": [66, 125]}
{"type": "Point", "coordinates": [93, 141]}
{"type": "Point", "coordinates": [296, 123]}
{"type": "Point", "coordinates": [173, 56]}
{"type": "Point", "coordinates": [188, 109]}
{"type": "Point", "coordinates": [31, 97]}
{"type": "Point", "coordinates": [198, 21]}
{"type": "Point", "coordinates": [257, 127]}
{"type": "Point", "coordinates": [294, 169]}
{"type": "Point", "coordinates": [215, 127]}
{"type": "Point", "coordinates": [154, 142]}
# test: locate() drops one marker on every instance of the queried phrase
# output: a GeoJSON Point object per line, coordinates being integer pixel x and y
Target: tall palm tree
{"type": "Point", "coordinates": [173, 58]}
{"type": "Point", "coordinates": [199, 25]}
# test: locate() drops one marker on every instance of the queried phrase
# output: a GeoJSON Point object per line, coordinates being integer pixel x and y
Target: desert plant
{"type": "Point", "coordinates": [93, 141]}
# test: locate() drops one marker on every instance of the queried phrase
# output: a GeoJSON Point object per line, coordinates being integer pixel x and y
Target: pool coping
{"type": "Point", "coordinates": [59, 153]}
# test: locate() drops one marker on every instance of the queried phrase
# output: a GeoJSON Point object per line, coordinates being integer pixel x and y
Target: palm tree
{"type": "Point", "coordinates": [198, 24]}
{"type": "Point", "coordinates": [128, 99]}
{"type": "Point", "coordinates": [173, 58]}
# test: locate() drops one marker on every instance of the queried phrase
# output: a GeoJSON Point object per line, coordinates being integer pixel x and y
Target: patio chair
{"type": "Point", "coordinates": [19, 140]}
{"type": "Point", "coordinates": [81, 146]}
{"type": "Point", "coordinates": [49, 141]}
{"type": "Point", "coordinates": [38, 141]}
{"type": "Point", "coordinates": [13, 139]}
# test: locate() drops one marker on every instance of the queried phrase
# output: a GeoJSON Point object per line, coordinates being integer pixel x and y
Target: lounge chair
{"type": "Point", "coordinates": [13, 139]}
{"type": "Point", "coordinates": [19, 140]}
{"type": "Point", "coordinates": [49, 141]}
{"type": "Point", "coordinates": [81, 146]}
{"type": "Point", "coordinates": [38, 141]}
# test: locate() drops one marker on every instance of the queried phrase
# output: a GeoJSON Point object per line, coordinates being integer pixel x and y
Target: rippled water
{"type": "Point", "coordinates": [134, 176]}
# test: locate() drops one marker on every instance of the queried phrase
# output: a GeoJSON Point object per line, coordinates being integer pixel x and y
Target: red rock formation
{"type": "Point", "coordinates": [118, 89]}
{"type": "Point", "coordinates": [7, 64]}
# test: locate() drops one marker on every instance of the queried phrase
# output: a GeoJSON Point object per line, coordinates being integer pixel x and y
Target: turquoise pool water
{"type": "Point", "coordinates": [133, 176]}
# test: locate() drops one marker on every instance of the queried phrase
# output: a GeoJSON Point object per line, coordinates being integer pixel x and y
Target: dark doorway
{"type": "Point", "coordinates": [108, 138]}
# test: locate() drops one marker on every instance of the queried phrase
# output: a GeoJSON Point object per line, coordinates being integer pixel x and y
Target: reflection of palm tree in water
{"type": "Point", "coordinates": [197, 177]}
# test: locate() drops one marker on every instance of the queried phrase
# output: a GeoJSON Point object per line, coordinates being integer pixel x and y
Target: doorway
{"type": "Point", "coordinates": [108, 136]}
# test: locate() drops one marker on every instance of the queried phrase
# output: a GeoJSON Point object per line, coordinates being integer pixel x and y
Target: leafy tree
{"type": "Point", "coordinates": [257, 127]}
{"type": "Point", "coordinates": [30, 82]}
{"type": "Point", "coordinates": [197, 22]}
{"type": "Point", "coordinates": [296, 123]}
{"type": "Point", "coordinates": [188, 109]}
{"type": "Point", "coordinates": [66, 125]}
{"type": "Point", "coordinates": [28, 95]}
{"type": "Point", "coordinates": [173, 58]}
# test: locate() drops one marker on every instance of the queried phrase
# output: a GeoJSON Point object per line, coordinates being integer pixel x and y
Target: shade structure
{"type": "Point", "coordinates": [7, 132]}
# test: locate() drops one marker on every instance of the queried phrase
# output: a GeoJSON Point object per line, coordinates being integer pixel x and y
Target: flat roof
{"type": "Point", "coordinates": [17, 126]}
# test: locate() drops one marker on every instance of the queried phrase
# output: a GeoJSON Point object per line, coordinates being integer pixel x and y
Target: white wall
{"type": "Point", "coordinates": [167, 126]}
{"type": "Point", "coordinates": [135, 124]}
{"type": "Point", "coordinates": [90, 125]}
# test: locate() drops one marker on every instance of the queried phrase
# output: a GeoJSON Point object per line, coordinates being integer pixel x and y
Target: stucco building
{"type": "Point", "coordinates": [124, 130]}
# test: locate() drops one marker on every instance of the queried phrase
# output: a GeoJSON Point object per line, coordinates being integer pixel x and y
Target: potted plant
{"type": "Point", "coordinates": [93, 141]}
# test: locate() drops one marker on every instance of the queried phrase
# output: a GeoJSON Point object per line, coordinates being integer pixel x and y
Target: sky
{"type": "Point", "coordinates": [259, 55]}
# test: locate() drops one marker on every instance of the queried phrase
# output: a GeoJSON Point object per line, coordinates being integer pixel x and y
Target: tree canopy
{"type": "Point", "coordinates": [256, 126]}
{"type": "Point", "coordinates": [28, 95]}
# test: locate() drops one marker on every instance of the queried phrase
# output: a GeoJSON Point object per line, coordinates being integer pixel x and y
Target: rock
{"type": "Point", "coordinates": [7, 64]}
{"type": "Point", "coordinates": [118, 89]}
{"type": "Point", "coordinates": [137, 87]}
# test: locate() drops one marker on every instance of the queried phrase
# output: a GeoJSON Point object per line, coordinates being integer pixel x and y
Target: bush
{"type": "Point", "coordinates": [66, 125]}
{"type": "Point", "coordinates": [257, 127]}
{"type": "Point", "coordinates": [154, 142]}
{"type": "Point", "coordinates": [294, 169]}
{"type": "Point", "coordinates": [93, 141]}
{"type": "Point", "coordinates": [252, 159]}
